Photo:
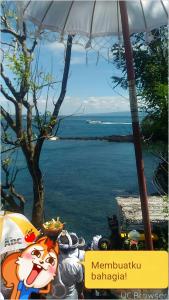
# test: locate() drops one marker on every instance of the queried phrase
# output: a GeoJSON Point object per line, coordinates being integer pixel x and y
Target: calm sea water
{"type": "Point", "coordinates": [82, 178]}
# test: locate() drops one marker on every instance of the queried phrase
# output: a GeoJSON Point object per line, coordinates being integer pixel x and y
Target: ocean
{"type": "Point", "coordinates": [83, 178]}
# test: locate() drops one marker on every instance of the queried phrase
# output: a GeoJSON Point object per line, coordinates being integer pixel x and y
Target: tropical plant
{"type": "Point", "coordinates": [151, 73]}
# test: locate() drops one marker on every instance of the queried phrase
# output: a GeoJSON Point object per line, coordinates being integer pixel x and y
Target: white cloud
{"type": "Point", "coordinates": [56, 46]}
{"type": "Point", "coordinates": [93, 104]}
{"type": "Point", "coordinates": [81, 105]}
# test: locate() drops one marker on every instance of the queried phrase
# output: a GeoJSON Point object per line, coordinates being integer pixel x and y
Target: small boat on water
{"type": "Point", "coordinates": [107, 123]}
{"type": "Point", "coordinates": [94, 122]}
{"type": "Point", "coordinates": [53, 138]}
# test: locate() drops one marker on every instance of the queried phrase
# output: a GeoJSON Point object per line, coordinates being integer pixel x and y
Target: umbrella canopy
{"type": "Point", "coordinates": [95, 18]}
{"type": "Point", "coordinates": [16, 232]}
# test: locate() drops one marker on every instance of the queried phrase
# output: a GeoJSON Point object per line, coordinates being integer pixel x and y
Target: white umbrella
{"type": "Point", "coordinates": [16, 232]}
{"type": "Point", "coordinates": [104, 18]}
{"type": "Point", "coordinates": [96, 18]}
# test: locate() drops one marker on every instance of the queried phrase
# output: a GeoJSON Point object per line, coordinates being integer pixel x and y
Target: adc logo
{"type": "Point", "coordinates": [11, 241]}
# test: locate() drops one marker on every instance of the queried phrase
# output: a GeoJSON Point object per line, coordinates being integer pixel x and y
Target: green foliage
{"type": "Point", "coordinates": [17, 64]}
{"type": "Point", "coordinates": [23, 65]}
{"type": "Point", "coordinates": [160, 176]}
{"type": "Point", "coordinates": [46, 120]}
{"type": "Point", "coordinates": [151, 71]}
{"type": "Point", "coordinates": [22, 70]}
{"type": "Point", "coordinates": [155, 127]}
{"type": "Point", "coordinates": [53, 121]}
{"type": "Point", "coordinates": [162, 233]}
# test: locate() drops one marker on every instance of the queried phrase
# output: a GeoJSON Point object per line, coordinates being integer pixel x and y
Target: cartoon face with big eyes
{"type": "Point", "coordinates": [37, 265]}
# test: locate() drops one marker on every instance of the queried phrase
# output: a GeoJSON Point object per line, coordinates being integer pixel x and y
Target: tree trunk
{"type": "Point", "coordinates": [38, 201]}
{"type": "Point", "coordinates": [38, 187]}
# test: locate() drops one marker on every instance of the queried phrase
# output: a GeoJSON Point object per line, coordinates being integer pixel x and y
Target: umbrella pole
{"type": "Point", "coordinates": [135, 125]}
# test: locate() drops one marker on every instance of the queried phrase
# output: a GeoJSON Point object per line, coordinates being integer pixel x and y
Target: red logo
{"type": "Point", "coordinates": [30, 237]}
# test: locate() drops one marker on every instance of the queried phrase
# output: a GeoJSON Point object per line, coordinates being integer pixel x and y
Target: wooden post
{"type": "Point", "coordinates": [135, 125]}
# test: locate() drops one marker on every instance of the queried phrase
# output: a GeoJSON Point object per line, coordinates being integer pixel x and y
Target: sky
{"type": "Point", "coordinates": [90, 88]}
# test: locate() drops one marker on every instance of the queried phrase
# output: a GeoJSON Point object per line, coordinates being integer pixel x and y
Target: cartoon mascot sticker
{"type": "Point", "coordinates": [32, 270]}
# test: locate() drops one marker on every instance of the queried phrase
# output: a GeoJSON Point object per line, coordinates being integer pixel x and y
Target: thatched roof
{"type": "Point", "coordinates": [130, 210]}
